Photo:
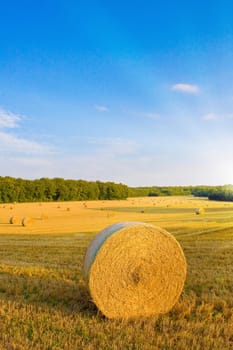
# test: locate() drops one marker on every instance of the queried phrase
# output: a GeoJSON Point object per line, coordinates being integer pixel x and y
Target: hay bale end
{"type": "Point", "coordinates": [134, 270]}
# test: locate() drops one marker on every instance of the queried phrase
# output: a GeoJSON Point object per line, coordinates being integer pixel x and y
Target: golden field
{"type": "Point", "coordinates": [44, 303]}
{"type": "Point", "coordinates": [92, 216]}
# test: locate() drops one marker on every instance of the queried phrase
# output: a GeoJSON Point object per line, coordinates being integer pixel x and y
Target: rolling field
{"type": "Point", "coordinates": [44, 303]}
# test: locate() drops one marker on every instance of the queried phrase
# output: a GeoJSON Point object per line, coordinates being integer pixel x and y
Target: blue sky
{"type": "Point", "coordinates": [139, 92]}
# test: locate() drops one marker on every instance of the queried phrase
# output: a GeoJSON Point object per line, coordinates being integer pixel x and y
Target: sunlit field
{"type": "Point", "coordinates": [44, 303]}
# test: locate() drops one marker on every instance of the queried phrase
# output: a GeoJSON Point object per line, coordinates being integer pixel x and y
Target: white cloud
{"type": "Point", "coordinates": [210, 116]}
{"type": "Point", "coordinates": [31, 161]}
{"type": "Point", "coordinates": [101, 108]}
{"type": "Point", "coordinates": [12, 143]}
{"type": "Point", "coordinates": [150, 168]}
{"type": "Point", "coordinates": [215, 116]}
{"type": "Point", "coordinates": [143, 170]}
{"type": "Point", "coordinates": [116, 145]}
{"type": "Point", "coordinates": [151, 115]}
{"type": "Point", "coordinates": [26, 166]}
{"type": "Point", "coordinates": [186, 88]}
{"type": "Point", "coordinates": [9, 119]}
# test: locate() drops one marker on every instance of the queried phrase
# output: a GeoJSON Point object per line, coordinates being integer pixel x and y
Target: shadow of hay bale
{"type": "Point", "coordinates": [66, 296]}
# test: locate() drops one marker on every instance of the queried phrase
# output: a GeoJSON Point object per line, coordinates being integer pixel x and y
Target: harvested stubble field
{"type": "Point", "coordinates": [44, 303]}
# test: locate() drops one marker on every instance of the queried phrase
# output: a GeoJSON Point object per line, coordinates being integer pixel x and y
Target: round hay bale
{"type": "Point", "coordinates": [27, 221]}
{"type": "Point", "coordinates": [199, 211]}
{"type": "Point", "coordinates": [44, 217]}
{"type": "Point", "coordinates": [14, 220]}
{"type": "Point", "coordinates": [134, 270]}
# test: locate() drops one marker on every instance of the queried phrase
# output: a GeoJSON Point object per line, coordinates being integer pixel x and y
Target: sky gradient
{"type": "Point", "coordinates": [136, 92]}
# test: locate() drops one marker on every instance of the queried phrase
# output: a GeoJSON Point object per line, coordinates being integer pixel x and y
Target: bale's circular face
{"type": "Point", "coordinates": [134, 270]}
{"type": "Point", "coordinates": [14, 220]}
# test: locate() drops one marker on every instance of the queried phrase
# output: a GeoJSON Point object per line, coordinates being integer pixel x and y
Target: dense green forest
{"type": "Point", "coordinates": [199, 191]}
{"type": "Point", "coordinates": [222, 193]}
{"type": "Point", "coordinates": [59, 189]}
{"type": "Point", "coordinates": [155, 191]}
{"type": "Point", "coordinates": [219, 193]}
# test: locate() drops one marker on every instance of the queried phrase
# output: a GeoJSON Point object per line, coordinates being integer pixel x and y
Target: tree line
{"type": "Point", "coordinates": [218, 193]}
{"type": "Point", "coordinates": [58, 189]}
{"type": "Point", "coordinates": [222, 193]}
{"type": "Point", "coordinates": [198, 191]}
{"type": "Point", "coordinates": [155, 191]}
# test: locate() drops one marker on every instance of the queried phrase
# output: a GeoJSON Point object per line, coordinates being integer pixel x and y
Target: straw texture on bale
{"type": "Point", "coordinates": [27, 221]}
{"type": "Point", "coordinates": [199, 211]}
{"type": "Point", "coordinates": [15, 220]}
{"type": "Point", "coordinates": [134, 270]}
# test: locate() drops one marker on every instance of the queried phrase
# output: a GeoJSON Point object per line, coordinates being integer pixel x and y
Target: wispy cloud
{"type": "Point", "coordinates": [100, 108]}
{"type": "Point", "coordinates": [186, 88]}
{"type": "Point", "coordinates": [27, 166]}
{"type": "Point", "coordinates": [142, 114]}
{"type": "Point", "coordinates": [114, 145]}
{"type": "Point", "coordinates": [150, 115]}
{"type": "Point", "coordinates": [12, 143]}
{"type": "Point", "coordinates": [138, 169]}
{"type": "Point", "coordinates": [216, 116]}
{"type": "Point", "coordinates": [32, 161]}
{"type": "Point", "coordinates": [9, 119]}
{"type": "Point", "coordinates": [210, 116]}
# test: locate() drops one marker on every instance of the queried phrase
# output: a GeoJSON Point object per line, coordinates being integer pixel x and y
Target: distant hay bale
{"type": "Point", "coordinates": [27, 221]}
{"type": "Point", "coordinates": [44, 217]}
{"type": "Point", "coordinates": [199, 211]}
{"type": "Point", "coordinates": [134, 270]}
{"type": "Point", "coordinates": [15, 220]}
{"type": "Point", "coordinates": [68, 209]}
